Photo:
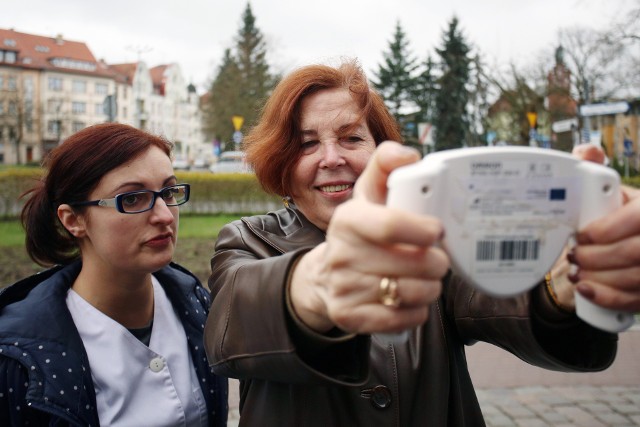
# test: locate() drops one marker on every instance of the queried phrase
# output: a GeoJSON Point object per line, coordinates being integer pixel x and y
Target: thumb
{"type": "Point", "coordinates": [589, 152]}
{"type": "Point", "coordinates": [372, 183]}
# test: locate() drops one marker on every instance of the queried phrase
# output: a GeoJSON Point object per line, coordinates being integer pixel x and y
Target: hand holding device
{"type": "Point", "coordinates": [508, 212]}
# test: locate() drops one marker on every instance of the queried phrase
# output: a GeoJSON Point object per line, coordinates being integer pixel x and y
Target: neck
{"type": "Point", "coordinates": [126, 298]}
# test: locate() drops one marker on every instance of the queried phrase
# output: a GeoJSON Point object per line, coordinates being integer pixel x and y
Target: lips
{"type": "Point", "coordinates": [161, 239]}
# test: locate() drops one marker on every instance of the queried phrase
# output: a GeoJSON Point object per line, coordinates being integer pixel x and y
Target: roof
{"type": "Point", "coordinates": [158, 78]}
{"type": "Point", "coordinates": [50, 53]}
{"type": "Point", "coordinates": [124, 72]}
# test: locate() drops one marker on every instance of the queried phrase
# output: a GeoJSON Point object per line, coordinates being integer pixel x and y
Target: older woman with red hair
{"type": "Point", "coordinates": [301, 294]}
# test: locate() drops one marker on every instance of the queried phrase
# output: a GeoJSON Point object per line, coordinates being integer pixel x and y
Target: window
{"type": "Point", "coordinates": [1, 107]}
{"type": "Point", "coordinates": [13, 108]}
{"type": "Point", "coordinates": [1, 81]}
{"type": "Point", "coordinates": [79, 86]}
{"type": "Point", "coordinates": [78, 107]}
{"type": "Point", "coordinates": [10, 42]}
{"type": "Point", "coordinates": [55, 83]}
{"type": "Point", "coordinates": [102, 88]}
{"type": "Point", "coordinates": [12, 83]}
{"type": "Point", "coordinates": [77, 126]}
{"type": "Point", "coordinates": [10, 57]}
{"type": "Point", "coordinates": [73, 63]}
{"type": "Point", "coordinates": [54, 105]}
{"type": "Point", "coordinates": [53, 127]}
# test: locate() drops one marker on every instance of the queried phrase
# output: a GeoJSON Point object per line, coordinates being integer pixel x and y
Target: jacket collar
{"type": "Point", "coordinates": [291, 230]}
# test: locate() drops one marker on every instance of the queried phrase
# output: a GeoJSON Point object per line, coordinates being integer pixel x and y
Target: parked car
{"type": "Point", "coordinates": [231, 162]}
{"type": "Point", "coordinates": [180, 163]}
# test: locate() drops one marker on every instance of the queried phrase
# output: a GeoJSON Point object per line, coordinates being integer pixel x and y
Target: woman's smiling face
{"type": "Point", "coordinates": [336, 146]}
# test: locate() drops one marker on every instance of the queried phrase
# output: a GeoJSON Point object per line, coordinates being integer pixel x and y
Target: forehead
{"type": "Point", "coordinates": [327, 104]}
{"type": "Point", "coordinates": [148, 168]}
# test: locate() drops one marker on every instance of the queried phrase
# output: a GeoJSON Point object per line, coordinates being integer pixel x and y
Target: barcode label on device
{"type": "Point", "coordinates": [507, 250]}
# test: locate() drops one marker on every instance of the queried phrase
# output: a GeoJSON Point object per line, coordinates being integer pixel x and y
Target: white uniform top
{"type": "Point", "coordinates": [138, 385]}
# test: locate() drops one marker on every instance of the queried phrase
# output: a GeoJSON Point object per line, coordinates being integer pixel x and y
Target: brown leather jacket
{"type": "Point", "coordinates": [291, 376]}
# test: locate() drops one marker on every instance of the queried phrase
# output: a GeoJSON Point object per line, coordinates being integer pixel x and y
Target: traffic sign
{"type": "Point", "coordinates": [564, 125]}
{"type": "Point", "coordinates": [237, 137]}
{"type": "Point", "coordinates": [604, 108]}
{"type": "Point", "coordinates": [237, 122]}
{"type": "Point", "coordinates": [531, 116]}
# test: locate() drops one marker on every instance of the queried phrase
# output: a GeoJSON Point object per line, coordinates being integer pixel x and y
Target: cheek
{"type": "Point", "coordinates": [302, 175]}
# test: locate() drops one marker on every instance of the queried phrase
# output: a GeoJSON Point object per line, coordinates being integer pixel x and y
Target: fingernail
{"type": "Point", "coordinates": [574, 273]}
{"type": "Point", "coordinates": [571, 257]}
{"type": "Point", "coordinates": [586, 291]}
{"type": "Point", "coordinates": [583, 239]}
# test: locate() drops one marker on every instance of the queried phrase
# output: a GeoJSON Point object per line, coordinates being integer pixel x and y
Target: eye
{"type": "Point", "coordinates": [168, 194]}
{"type": "Point", "coordinates": [354, 138]}
{"type": "Point", "coordinates": [131, 199]}
{"type": "Point", "coordinates": [308, 146]}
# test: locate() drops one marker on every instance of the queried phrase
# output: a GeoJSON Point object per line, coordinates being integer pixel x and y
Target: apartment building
{"type": "Point", "coordinates": [51, 87]}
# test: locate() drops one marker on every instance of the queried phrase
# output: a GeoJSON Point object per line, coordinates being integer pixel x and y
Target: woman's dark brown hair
{"type": "Point", "coordinates": [273, 145]}
{"type": "Point", "coordinates": [72, 170]}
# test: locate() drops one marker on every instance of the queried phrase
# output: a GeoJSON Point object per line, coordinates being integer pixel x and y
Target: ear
{"type": "Point", "coordinates": [71, 220]}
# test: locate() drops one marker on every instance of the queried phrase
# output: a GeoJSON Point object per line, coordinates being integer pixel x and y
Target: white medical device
{"type": "Point", "coordinates": [508, 212]}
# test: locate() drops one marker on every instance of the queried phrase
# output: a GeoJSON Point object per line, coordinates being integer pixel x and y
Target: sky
{"type": "Point", "coordinates": [195, 33]}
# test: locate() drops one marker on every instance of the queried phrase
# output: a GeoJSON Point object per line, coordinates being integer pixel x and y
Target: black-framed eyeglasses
{"type": "Point", "coordinates": [133, 202]}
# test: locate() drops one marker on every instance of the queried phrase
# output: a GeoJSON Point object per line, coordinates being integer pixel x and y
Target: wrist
{"type": "Point", "coordinates": [305, 305]}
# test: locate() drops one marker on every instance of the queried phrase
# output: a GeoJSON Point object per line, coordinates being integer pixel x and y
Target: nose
{"type": "Point", "coordinates": [331, 155]}
{"type": "Point", "coordinates": [161, 213]}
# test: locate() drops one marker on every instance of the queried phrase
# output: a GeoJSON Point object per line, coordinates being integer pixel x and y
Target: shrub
{"type": "Point", "coordinates": [210, 193]}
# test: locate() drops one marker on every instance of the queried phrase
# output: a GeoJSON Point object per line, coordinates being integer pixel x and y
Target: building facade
{"type": "Point", "coordinates": [51, 87]}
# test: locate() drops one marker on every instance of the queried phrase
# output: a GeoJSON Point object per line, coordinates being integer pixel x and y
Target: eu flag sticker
{"type": "Point", "coordinates": [557, 194]}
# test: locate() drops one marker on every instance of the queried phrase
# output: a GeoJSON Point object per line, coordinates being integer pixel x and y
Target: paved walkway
{"type": "Point", "coordinates": [515, 394]}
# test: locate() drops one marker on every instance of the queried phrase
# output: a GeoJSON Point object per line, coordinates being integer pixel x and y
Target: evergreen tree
{"type": "Point", "coordinates": [423, 92]}
{"type": "Point", "coordinates": [451, 119]}
{"type": "Point", "coordinates": [223, 99]}
{"type": "Point", "coordinates": [394, 76]}
{"type": "Point", "coordinates": [242, 83]}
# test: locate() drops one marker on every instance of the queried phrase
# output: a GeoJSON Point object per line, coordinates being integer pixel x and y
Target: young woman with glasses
{"type": "Point", "coordinates": [112, 335]}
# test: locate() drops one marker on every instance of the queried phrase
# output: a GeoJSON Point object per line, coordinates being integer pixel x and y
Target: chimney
{"type": "Point", "coordinates": [59, 40]}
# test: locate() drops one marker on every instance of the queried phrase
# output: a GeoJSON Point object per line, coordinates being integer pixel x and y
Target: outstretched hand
{"type": "Point", "coordinates": [372, 251]}
{"type": "Point", "coordinates": [606, 258]}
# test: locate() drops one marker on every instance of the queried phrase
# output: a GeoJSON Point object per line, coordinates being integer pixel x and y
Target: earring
{"type": "Point", "coordinates": [285, 201]}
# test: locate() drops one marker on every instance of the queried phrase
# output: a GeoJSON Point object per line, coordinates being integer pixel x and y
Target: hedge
{"type": "Point", "coordinates": [210, 193]}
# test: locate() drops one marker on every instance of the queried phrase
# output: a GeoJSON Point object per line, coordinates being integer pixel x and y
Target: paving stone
{"type": "Point", "coordinates": [626, 408]}
{"type": "Point", "coordinates": [530, 422]}
{"type": "Point", "coordinates": [613, 419]}
{"type": "Point", "coordinates": [499, 421]}
{"type": "Point", "coordinates": [596, 407]}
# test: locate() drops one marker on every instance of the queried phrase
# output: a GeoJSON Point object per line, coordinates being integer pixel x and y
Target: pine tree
{"type": "Point", "coordinates": [451, 119]}
{"type": "Point", "coordinates": [242, 83]}
{"type": "Point", "coordinates": [423, 92]}
{"type": "Point", "coordinates": [394, 76]}
{"type": "Point", "coordinates": [224, 99]}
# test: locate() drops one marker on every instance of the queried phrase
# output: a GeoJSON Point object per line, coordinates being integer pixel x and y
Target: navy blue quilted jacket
{"type": "Point", "coordinates": [45, 377]}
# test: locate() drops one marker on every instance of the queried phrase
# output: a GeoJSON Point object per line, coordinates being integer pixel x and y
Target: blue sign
{"type": "Point", "coordinates": [237, 137]}
{"type": "Point", "coordinates": [628, 147]}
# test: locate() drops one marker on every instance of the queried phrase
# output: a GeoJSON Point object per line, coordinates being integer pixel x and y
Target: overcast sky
{"type": "Point", "coordinates": [194, 33]}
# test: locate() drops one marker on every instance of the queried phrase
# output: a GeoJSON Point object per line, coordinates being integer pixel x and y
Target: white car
{"type": "Point", "coordinates": [231, 162]}
{"type": "Point", "coordinates": [180, 163]}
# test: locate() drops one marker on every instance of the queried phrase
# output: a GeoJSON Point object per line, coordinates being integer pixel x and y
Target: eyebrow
{"type": "Point", "coordinates": [348, 127]}
{"type": "Point", "coordinates": [140, 185]}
